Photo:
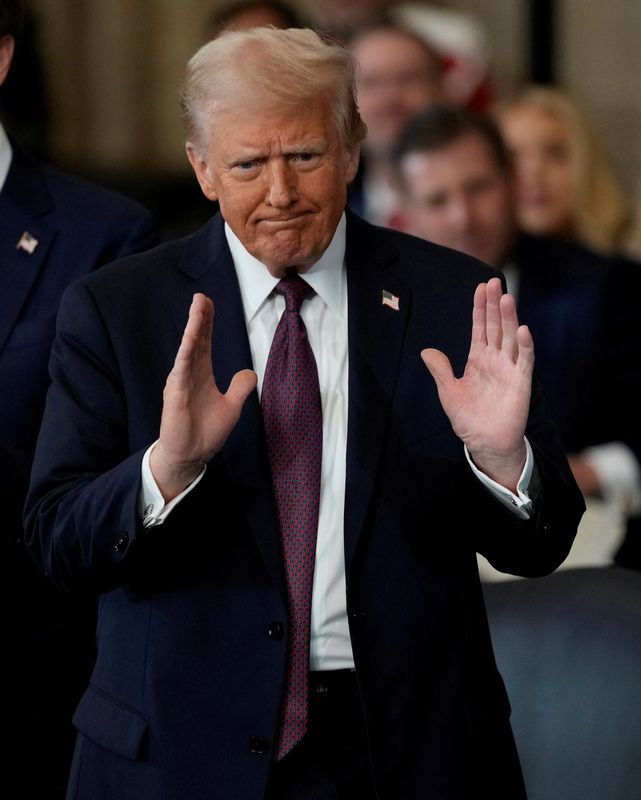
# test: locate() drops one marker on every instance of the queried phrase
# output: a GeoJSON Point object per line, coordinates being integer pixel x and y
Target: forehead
{"type": "Point", "coordinates": [383, 49]}
{"type": "Point", "coordinates": [467, 158]}
{"type": "Point", "coordinates": [530, 122]}
{"type": "Point", "coordinates": [271, 124]}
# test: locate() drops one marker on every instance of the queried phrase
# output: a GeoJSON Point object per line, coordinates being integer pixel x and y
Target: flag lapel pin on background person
{"type": "Point", "coordinates": [27, 242]}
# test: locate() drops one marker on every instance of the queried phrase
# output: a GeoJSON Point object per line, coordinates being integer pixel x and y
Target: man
{"type": "Point", "coordinates": [399, 76]}
{"type": "Point", "coordinates": [458, 190]}
{"type": "Point", "coordinates": [53, 229]}
{"type": "Point", "coordinates": [289, 600]}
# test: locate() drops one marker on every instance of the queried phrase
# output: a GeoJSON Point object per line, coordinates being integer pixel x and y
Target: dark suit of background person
{"type": "Point", "coordinates": [47, 639]}
{"type": "Point", "coordinates": [566, 297]}
{"type": "Point", "coordinates": [184, 698]}
{"type": "Point", "coordinates": [627, 322]}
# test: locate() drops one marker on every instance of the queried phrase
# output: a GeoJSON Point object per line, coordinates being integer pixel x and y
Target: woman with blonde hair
{"type": "Point", "coordinates": [565, 184]}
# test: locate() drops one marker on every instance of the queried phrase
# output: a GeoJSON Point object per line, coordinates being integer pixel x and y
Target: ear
{"type": "Point", "coordinates": [203, 172]}
{"type": "Point", "coordinates": [353, 157]}
{"type": "Point", "coordinates": [7, 46]}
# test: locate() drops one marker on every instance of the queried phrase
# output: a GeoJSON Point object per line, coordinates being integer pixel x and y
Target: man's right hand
{"type": "Point", "coordinates": [197, 418]}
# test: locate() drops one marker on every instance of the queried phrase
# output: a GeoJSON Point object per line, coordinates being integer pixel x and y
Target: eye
{"type": "Point", "coordinates": [434, 202]}
{"type": "Point", "coordinates": [305, 159]}
{"type": "Point", "coordinates": [480, 186]}
{"type": "Point", "coordinates": [557, 153]}
{"type": "Point", "coordinates": [245, 170]}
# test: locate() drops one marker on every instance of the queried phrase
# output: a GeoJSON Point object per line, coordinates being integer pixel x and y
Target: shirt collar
{"type": "Point", "coordinates": [257, 283]}
{"type": "Point", "coordinates": [5, 156]}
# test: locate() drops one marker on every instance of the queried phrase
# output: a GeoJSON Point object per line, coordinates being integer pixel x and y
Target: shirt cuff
{"type": "Point", "coordinates": [521, 504]}
{"type": "Point", "coordinates": [618, 473]}
{"type": "Point", "coordinates": [152, 508]}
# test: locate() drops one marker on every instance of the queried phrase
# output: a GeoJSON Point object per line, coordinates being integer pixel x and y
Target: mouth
{"type": "Point", "coordinates": [283, 221]}
{"type": "Point", "coordinates": [534, 198]}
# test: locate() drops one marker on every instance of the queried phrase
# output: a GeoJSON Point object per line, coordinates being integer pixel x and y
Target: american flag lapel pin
{"type": "Point", "coordinates": [27, 242]}
{"type": "Point", "coordinates": [390, 300]}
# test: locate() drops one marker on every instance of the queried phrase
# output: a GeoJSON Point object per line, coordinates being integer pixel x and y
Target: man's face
{"type": "Point", "coordinates": [458, 196]}
{"type": "Point", "coordinates": [7, 45]}
{"type": "Point", "coordinates": [280, 177]}
{"type": "Point", "coordinates": [397, 79]}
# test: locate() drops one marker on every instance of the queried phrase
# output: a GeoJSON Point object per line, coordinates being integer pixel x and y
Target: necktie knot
{"type": "Point", "coordinates": [294, 289]}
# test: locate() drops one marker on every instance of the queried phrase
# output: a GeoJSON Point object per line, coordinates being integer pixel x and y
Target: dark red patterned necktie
{"type": "Point", "coordinates": [292, 415]}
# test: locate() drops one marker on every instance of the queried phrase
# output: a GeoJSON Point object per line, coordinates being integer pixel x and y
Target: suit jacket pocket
{"type": "Point", "coordinates": [110, 724]}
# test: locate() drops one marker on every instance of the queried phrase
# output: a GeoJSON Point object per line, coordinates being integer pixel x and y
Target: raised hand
{"type": "Point", "coordinates": [488, 406]}
{"type": "Point", "coordinates": [197, 418]}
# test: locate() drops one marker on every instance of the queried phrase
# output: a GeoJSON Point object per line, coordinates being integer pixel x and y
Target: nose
{"type": "Point", "coordinates": [282, 189]}
{"type": "Point", "coordinates": [529, 166]}
{"type": "Point", "coordinates": [460, 213]}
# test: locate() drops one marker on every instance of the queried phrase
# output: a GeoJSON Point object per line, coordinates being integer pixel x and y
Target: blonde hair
{"type": "Point", "coordinates": [600, 212]}
{"type": "Point", "coordinates": [632, 245]}
{"type": "Point", "coordinates": [291, 66]}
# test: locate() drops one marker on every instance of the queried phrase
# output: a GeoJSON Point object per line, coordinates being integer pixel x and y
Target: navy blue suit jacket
{"type": "Point", "coordinates": [578, 306]}
{"type": "Point", "coordinates": [185, 695]}
{"type": "Point", "coordinates": [77, 227]}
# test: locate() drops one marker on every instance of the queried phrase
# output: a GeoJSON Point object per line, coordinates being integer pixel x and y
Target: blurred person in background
{"type": "Point", "coordinates": [458, 189]}
{"type": "Point", "coordinates": [24, 99]}
{"type": "Point", "coordinates": [399, 75]}
{"type": "Point", "coordinates": [243, 14]}
{"type": "Point", "coordinates": [565, 185]}
{"type": "Point", "coordinates": [632, 244]}
{"type": "Point", "coordinates": [53, 229]}
{"type": "Point", "coordinates": [458, 37]}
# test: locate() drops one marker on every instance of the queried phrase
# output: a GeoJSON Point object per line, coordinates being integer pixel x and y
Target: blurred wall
{"type": "Point", "coordinates": [599, 58]}
{"type": "Point", "coordinates": [114, 68]}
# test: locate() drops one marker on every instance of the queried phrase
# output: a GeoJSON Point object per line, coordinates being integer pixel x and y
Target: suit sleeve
{"type": "Point", "coordinates": [537, 546]}
{"type": "Point", "coordinates": [81, 511]}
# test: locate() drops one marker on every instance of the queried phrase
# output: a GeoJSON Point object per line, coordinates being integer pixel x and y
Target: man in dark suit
{"type": "Point", "coordinates": [456, 179]}
{"type": "Point", "coordinates": [53, 229]}
{"type": "Point", "coordinates": [221, 670]}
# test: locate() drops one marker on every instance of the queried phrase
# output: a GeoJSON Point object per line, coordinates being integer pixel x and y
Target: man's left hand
{"type": "Point", "coordinates": [488, 406]}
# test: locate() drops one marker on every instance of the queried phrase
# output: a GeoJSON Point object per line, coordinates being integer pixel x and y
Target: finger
{"type": "Point", "coordinates": [189, 339]}
{"type": "Point", "coordinates": [525, 359]}
{"type": "Point", "coordinates": [493, 326]}
{"type": "Point", "coordinates": [509, 325]}
{"type": "Point", "coordinates": [196, 338]}
{"type": "Point", "coordinates": [479, 317]}
{"type": "Point", "coordinates": [439, 366]}
{"type": "Point", "coordinates": [242, 385]}
{"type": "Point", "coordinates": [204, 317]}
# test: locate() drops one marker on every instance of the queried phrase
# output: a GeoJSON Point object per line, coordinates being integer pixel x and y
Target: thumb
{"type": "Point", "coordinates": [242, 385]}
{"type": "Point", "coordinates": [439, 366]}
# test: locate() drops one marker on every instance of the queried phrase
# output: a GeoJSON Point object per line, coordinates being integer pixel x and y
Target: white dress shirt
{"type": "Point", "coordinates": [5, 156]}
{"type": "Point", "coordinates": [325, 317]}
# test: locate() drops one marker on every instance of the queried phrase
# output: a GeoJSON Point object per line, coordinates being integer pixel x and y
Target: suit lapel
{"type": "Point", "coordinates": [245, 452]}
{"type": "Point", "coordinates": [24, 202]}
{"type": "Point", "coordinates": [376, 333]}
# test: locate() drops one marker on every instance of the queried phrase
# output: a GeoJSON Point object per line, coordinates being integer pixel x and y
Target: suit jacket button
{"type": "Point", "coordinates": [258, 745]}
{"type": "Point", "coordinates": [122, 540]}
{"type": "Point", "coordinates": [275, 631]}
